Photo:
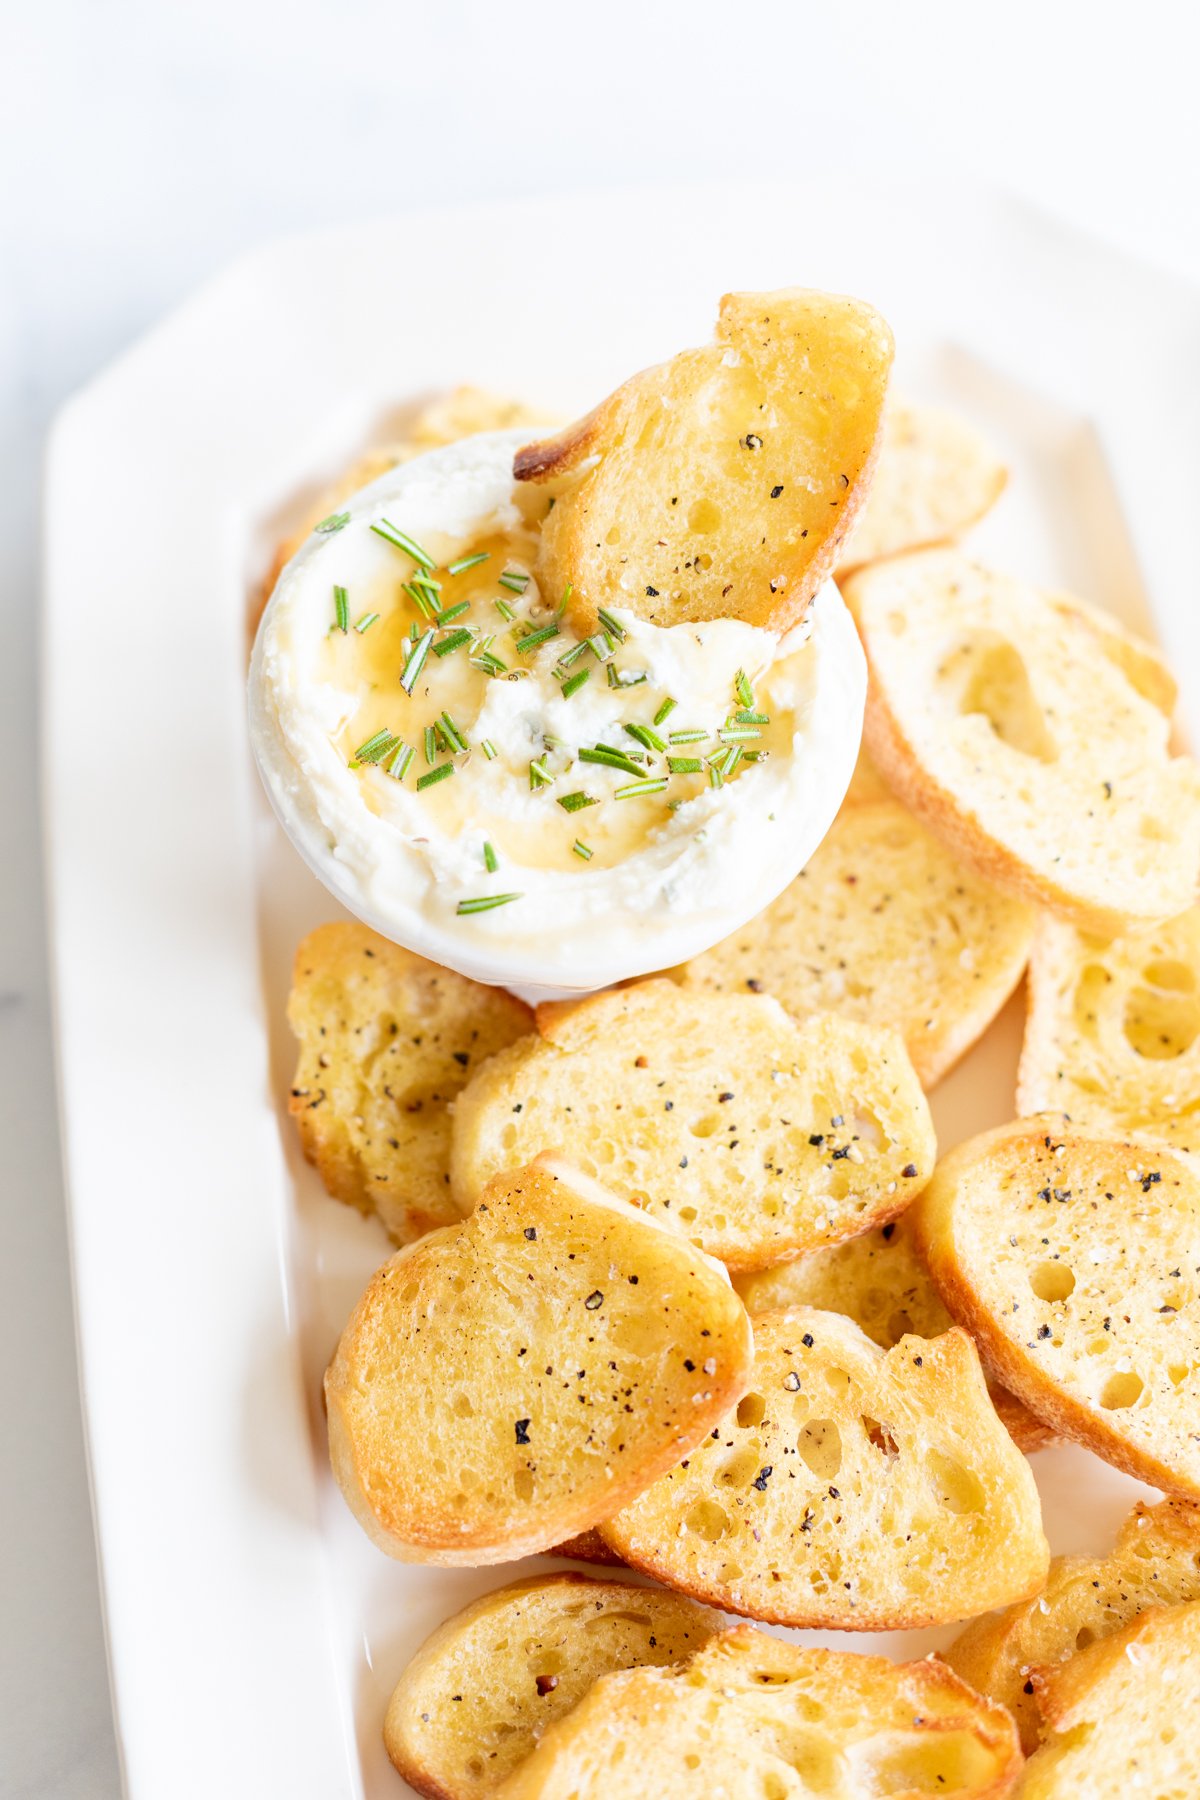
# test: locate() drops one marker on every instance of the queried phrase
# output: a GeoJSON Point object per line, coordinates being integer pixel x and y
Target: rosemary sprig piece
{"type": "Point", "coordinates": [685, 765]}
{"type": "Point", "coordinates": [341, 608]}
{"type": "Point", "coordinates": [490, 860]}
{"type": "Point", "coordinates": [742, 688]}
{"type": "Point", "coordinates": [574, 682]}
{"type": "Point", "coordinates": [334, 522]}
{"type": "Point", "coordinates": [365, 623]}
{"type": "Point", "coordinates": [453, 735]}
{"type": "Point", "coordinates": [438, 774]}
{"type": "Point", "coordinates": [400, 540]}
{"type": "Point", "coordinates": [375, 747]}
{"type": "Point", "coordinates": [638, 790]}
{"type": "Point", "coordinates": [577, 801]}
{"type": "Point", "coordinates": [467, 562]}
{"type": "Point", "coordinates": [582, 850]}
{"type": "Point", "coordinates": [454, 642]}
{"type": "Point", "coordinates": [486, 903]}
{"type": "Point", "coordinates": [415, 662]}
{"type": "Point", "coordinates": [688, 737]}
{"type": "Point", "coordinates": [611, 759]}
{"type": "Point", "coordinates": [451, 613]}
{"type": "Point", "coordinates": [611, 626]}
{"type": "Point", "coordinates": [665, 710]}
{"type": "Point", "coordinates": [514, 581]}
{"type": "Point", "coordinates": [534, 639]}
{"type": "Point", "coordinates": [401, 756]}
{"type": "Point", "coordinates": [650, 740]}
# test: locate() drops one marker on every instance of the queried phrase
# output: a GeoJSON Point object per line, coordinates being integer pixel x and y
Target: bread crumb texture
{"type": "Point", "coordinates": [481, 1691]}
{"type": "Point", "coordinates": [722, 484]}
{"type": "Point", "coordinates": [879, 1280]}
{"type": "Point", "coordinates": [1113, 1034]}
{"type": "Point", "coordinates": [749, 1717]}
{"type": "Point", "coordinates": [849, 1488]}
{"type": "Point", "coordinates": [1123, 1717]}
{"type": "Point", "coordinates": [1075, 1263]}
{"type": "Point", "coordinates": [1154, 1562]}
{"type": "Point", "coordinates": [506, 1382]}
{"type": "Point", "coordinates": [1016, 730]}
{"type": "Point", "coordinates": [386, 1041]}
{"type": "Point", "coordinates": [755, 1136]}
{"type": "Point", "coordinates": [884, 925]}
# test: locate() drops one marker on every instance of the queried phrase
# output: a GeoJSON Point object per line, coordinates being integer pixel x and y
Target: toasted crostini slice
{"type": "Point", "coordinates": [720, 485]}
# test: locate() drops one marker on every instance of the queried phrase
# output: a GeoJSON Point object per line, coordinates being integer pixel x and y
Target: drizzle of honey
{"type": "Point", "coordinates": [369, 664]}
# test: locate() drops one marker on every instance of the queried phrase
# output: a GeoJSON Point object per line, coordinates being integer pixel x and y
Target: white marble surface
{"type": "Point", "coordinates": [141, 146]}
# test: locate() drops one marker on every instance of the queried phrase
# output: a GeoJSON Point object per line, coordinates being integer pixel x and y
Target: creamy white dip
{"type": "Point", "coordinates": [671, 869]}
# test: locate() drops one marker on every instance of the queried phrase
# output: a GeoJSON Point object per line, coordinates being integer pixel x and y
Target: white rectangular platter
{"type": "Point", "coordinates": [254, 1633]}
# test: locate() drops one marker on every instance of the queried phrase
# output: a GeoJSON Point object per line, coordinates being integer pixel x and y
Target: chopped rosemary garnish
{"type": "Point", "coordinates": [643, 735]}
{"type": "Point", "coordinates": [334, 522]}
{"type": "Point", "coordinates": [577, 801]}
{"type": "Point", "coordinates": [419, 599]}
{"type": "Point", "coordinates": [688, 737]}
{"type": "Point", "coordinates": [738, 734]}
{"type": "Point", "coordinates": [715, 778]}
{"type": "Point", "coordinates": [534, 639]}
{"type": "Point", "coordinates": [452, 612]}
{"type": "Point", "coordinates": [561, 608]}
{"type": "Point", "coordinates": [685, 765]}
{"type": "Point", "coordinates": [665, 710]}
{"type": "Point", "coordinates": [539, 774]}
{"type": "Point", "coordinates": [488, 748]}
{"type": "Point", "coordinates": [491, 861]}
{"type": "Point", "coordinates": [427, 584]}
{"type": "Point", "coordinates": [431, 745]}
{"type": "Point", "coordinates": [573, 654]}
{"type": "Point", "coordinates": [454, 642]}
{"type": "Point", "coordinates": [574, 682]}
{"type": "Point", "coordinates": [452, 734]}
{"type": "Point", "coordinates": [601, 645]}
{"type": "Point", "coordinates": [489, 663]}
{"type": "Point", "coordinates": [514, 581]}
{"type": "Point", "coordinates": [486, 903]}
{"type": "Point", "coordinates": [401, 756]}
{"type": "Point", "coordinates": [467, 562]}
{"type": "Point", "coordinates": [366, 622]}
{"type": "Point", "coordinates": [626, 678]}
{"type": "Point", "coordinates": [582, 850]}
{"type": "Point", "coordinates": [341, 608]}
{"type": "Point", "coordinates": [375, 747]}
{"type": "Point", "coordinates": [757, 755]}
{"type": "Point", "coordinates": [613, 628]}
{"type": "Point", "coordinates": [611, 759]}
{"type": "Point", "coordinates": [639, 789]}
{"type": "Point", "coordinates": [400, 540]}
{"type": "Point", "coordinates": [742, 688]}
{"type": "Point", "coordinates": [415, 662]}
{"type": "Point", "coordinates": [727, 760]}
{"type": "Point", "coordinates": [751, 718]}
{"type": "Point", "coordinates": [438, 774]}
{"type": "Point", "coordinates": [505, 610]}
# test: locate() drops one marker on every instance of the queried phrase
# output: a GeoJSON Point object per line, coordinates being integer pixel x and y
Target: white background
{"type": "Point", "coordinates": [144, 144]}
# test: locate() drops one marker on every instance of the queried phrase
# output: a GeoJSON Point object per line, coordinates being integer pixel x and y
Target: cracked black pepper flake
{"type": "Point", "coordinates": [461, 1057]}
{"type": "Point", "coordinates": [1149, 1179]}
{"type": "Point", "coordinates": [808, 1340]}
{"type": "Point", "coordinates": [755, 986]}
{"type": "Point", "coordinates": [688, 1364]}
{"type": "Point", "coordinates": [816, 1139]}
{"type": "Point", "coordinates": [531, 1232]}
{"type": "Point", "coordinates": [791, 1382]}
{"type": "Point", "coordinates": [889, 1231]}
{"type": "Point", "coordinates": [776, 491]}
{"type": "Point", "coordinates": [546, 1684]}
{"type": "Point", "coordinates": [522, 1426]}
{"type": "Point", "coordinates": [752, 441]}
{"type": "Point", "coordinates": [652, 592]}
{"type": "Point", "coordinates": [723, 1097]}
{"type": "Point", "coordinates": [763, 1476]}
{"type": "Point", "coordinates": [909, 1171]}
{"type": "Point", "coordinates": [1043, 1331]}
{"type": "Point", "coordinates": [594, 1300]}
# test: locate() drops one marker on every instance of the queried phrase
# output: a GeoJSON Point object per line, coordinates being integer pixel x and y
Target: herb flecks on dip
{"type": "Point", "coordinates": [466, 771]}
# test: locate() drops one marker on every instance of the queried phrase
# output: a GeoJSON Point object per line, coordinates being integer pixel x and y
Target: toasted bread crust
{"type": "Point", "coordinates": [879, 1280]}
{"type": "Point", "coordinates": [813, 1504]}
{"type": "Point", "coordinates": [723, 483]}
{"type": "Point", "coordinates": [483, 1688]}
{"type": "Point", "coordinates": [885, 925]}
{"type": "Point", "coordinates": [749, 1715]}
{"type": "Point", "coordinates": [756, 1137]}
{"type": "Point", "coordinates": [1092, 818]}
{"type": "Point", "coordinates": [1154, 1562]}
{"type": "Point", "coordinates": [451, 1436]}
{"type": "Point", "coordinates": [386, 1041]}
{"type": "Point", "coordinates": [993, 1233]}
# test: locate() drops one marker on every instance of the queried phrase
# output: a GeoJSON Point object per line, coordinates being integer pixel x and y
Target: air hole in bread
{"type": "Point", "coordinates": [899, 1325]}
{"type": "Point", "coordinates": [956, 1487]}
{"type": "Point", "coordinates": [868, 1130]}
{"type": "Point", "coordinates": [463, 1408]}
{"type": "Point", "coordinates": [836, 1378]}
{"type": "Point", "coordinates": [751, 1408]}
{"type": "Point", "coordinates": [990, 678]}
{"type": "Point", "coordinates": [707, 1126]}
{"type": "Point", "coordinates": [523, 1484]}
{"type": "Point", "coordinates": [1177, 1373]}
{"type": "Point", "coordinates": [1084, 1636]}
{"type": "Point", "coordinates": [954, 1762]}
{"type": "Point", "coordinates": [1162, 1019]}
{"type": "Point", "coordinates": [740, 1469]}
{"type": "Point", "coordinates": [707, 1520]}
{"type": "Point", "coordinates": [1121, 1390]}
{"type": "Point", "coordinates": [820, 1445]}
{"type": "Point", "coordinates": [613, 536]}
{"type": "Point", "coordinates": [703, 516]}
{"type": "Point", "coordinates": [881, 1437]}
{"type": "Point", "coordinates": [1052, 1281]}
